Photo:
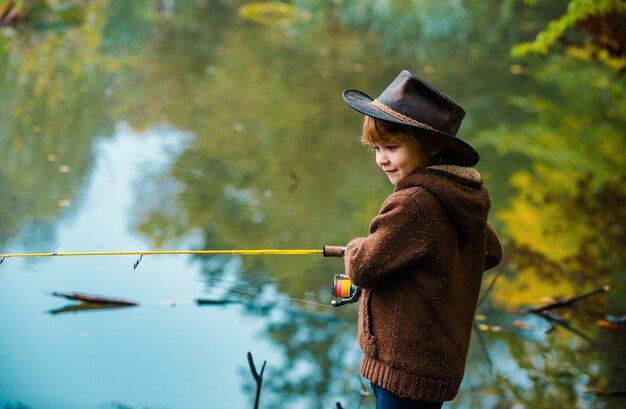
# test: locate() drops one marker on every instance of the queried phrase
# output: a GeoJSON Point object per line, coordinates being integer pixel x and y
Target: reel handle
{"type": "Point", "coordinates": [334, 251]}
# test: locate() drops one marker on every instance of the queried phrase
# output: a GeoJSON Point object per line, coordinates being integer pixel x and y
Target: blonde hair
{"type": "Point", "coordinates": [378, 131]}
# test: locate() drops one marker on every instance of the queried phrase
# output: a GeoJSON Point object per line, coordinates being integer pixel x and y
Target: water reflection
{"type": "Point", "coordinates": [84, 307]}
{"type": "Point", "coordinates": [257, 150]}
{"type": "Point", "coordinates": [87, 302]}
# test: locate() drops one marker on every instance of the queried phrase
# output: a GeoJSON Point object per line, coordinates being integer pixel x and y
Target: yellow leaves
{"type": "Point", "coordinates": [607, 324]}
{"type": "Point", "coordinates": [526, 288]}
{"type": "Point", "coordinates": [45, 60]}
{"type": "Point", "coordinates": [518, 69]}
{"type": "Point", "coordinates": [490, 328]}
{"type": "Point", "coordinates": [577, 13]}
{"type": "Point", "coordinates": [536, 219]}
{"type": "Point", "coordinates": [273, 14]}
{"type": "Point", "coordinates": [591, 52]}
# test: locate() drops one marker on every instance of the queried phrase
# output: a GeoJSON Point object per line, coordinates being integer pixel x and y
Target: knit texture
{"type": "Point", "coordinates": [420, 269]}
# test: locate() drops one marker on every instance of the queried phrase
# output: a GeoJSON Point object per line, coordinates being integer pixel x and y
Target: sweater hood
{"type": "Point", "coordinates": [459, 189]}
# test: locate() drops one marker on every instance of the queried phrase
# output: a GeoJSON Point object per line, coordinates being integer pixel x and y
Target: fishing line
{"type": "Point", "coordinates": [343, 289]}
{"type": "Point", "coordinates": [255, 294]}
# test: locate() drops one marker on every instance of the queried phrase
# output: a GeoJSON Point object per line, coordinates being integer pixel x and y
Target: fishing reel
{"type": "Point", "coordinates": [344, 291]}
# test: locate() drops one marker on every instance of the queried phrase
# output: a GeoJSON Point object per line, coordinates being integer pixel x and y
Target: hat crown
{"type": "Point", "coordinates": [419, 101]}
{"type": "Point", "coordinates": [413, 102]}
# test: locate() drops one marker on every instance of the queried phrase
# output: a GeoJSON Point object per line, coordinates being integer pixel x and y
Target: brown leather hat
{"type": "Point", "coordinates": [411, 101]}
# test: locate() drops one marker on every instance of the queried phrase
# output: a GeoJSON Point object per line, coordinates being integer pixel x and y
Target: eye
{"type": "Point", "coordinates": [391, 147]}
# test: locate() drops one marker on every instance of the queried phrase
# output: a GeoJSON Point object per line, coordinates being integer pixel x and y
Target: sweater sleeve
{"type": "Point", "coordinates": [493, 251]}
{"type": "Point", "coordinates": [397, 238]}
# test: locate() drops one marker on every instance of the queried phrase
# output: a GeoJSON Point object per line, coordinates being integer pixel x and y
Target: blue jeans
{"type": "Point", "coordinates": [389, 400]}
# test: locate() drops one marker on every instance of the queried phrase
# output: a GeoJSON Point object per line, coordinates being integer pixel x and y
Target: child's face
{"type": "Point", "coordinates": [400, 157]}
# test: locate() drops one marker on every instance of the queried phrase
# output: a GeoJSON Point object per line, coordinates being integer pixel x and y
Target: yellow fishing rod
{"type": "Point", "coordinates": [344, 291]}
{"type": "Point", "coordinates": [150, 252]}
{"type": "Point", "coordinates": [327, 251]}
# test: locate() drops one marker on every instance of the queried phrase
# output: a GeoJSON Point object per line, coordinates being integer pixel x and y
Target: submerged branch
{"type": "Point", "coordinates": [258, 377]}
{"type": "Point", "coordinates": [567, 302]}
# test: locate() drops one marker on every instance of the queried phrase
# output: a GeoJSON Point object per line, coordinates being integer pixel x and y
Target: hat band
{"type": "Point", "coordinates": [399, 116]}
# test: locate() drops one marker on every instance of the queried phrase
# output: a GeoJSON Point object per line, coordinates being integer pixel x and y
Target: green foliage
{"type": "Point", "coordinates": [404, 26]}
{"type": "Point", "coordinates": [564, 220]}
{"type": "Point", "coordinates": [42, 14]}
{"type": "Point", "coordinates": [44, 126]}
{"type": "Point", "coordinates": [602, 42]}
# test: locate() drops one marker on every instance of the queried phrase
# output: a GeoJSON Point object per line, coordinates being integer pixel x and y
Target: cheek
{"type": "Point", "coordinates": [378, 158]}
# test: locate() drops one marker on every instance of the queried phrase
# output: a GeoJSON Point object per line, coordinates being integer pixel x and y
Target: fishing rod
{"type": "Point", "coordinates": [148, 252]}
{"type": "Point", "coordinates": [327, 251]}
{"type": "Point", "coordinates": [344, 291]}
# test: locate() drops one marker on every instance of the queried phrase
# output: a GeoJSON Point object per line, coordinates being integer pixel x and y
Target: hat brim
{"type": "Point", "coordinates": [463, 152]}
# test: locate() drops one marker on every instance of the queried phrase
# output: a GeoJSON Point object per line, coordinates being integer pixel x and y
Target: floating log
{"type": "Point", "coordinates": [93, 299]}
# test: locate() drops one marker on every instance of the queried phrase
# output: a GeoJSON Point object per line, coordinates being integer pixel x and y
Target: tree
{"type": "Point", "coordinates": [589, 29]}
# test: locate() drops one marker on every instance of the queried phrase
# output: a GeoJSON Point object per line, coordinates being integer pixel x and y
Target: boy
{"type": "Point", "coordinates": [420, 267]}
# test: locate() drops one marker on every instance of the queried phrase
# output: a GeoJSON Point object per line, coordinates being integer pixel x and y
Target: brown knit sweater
{"type": "Point", "coordinates": [420, 269]}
